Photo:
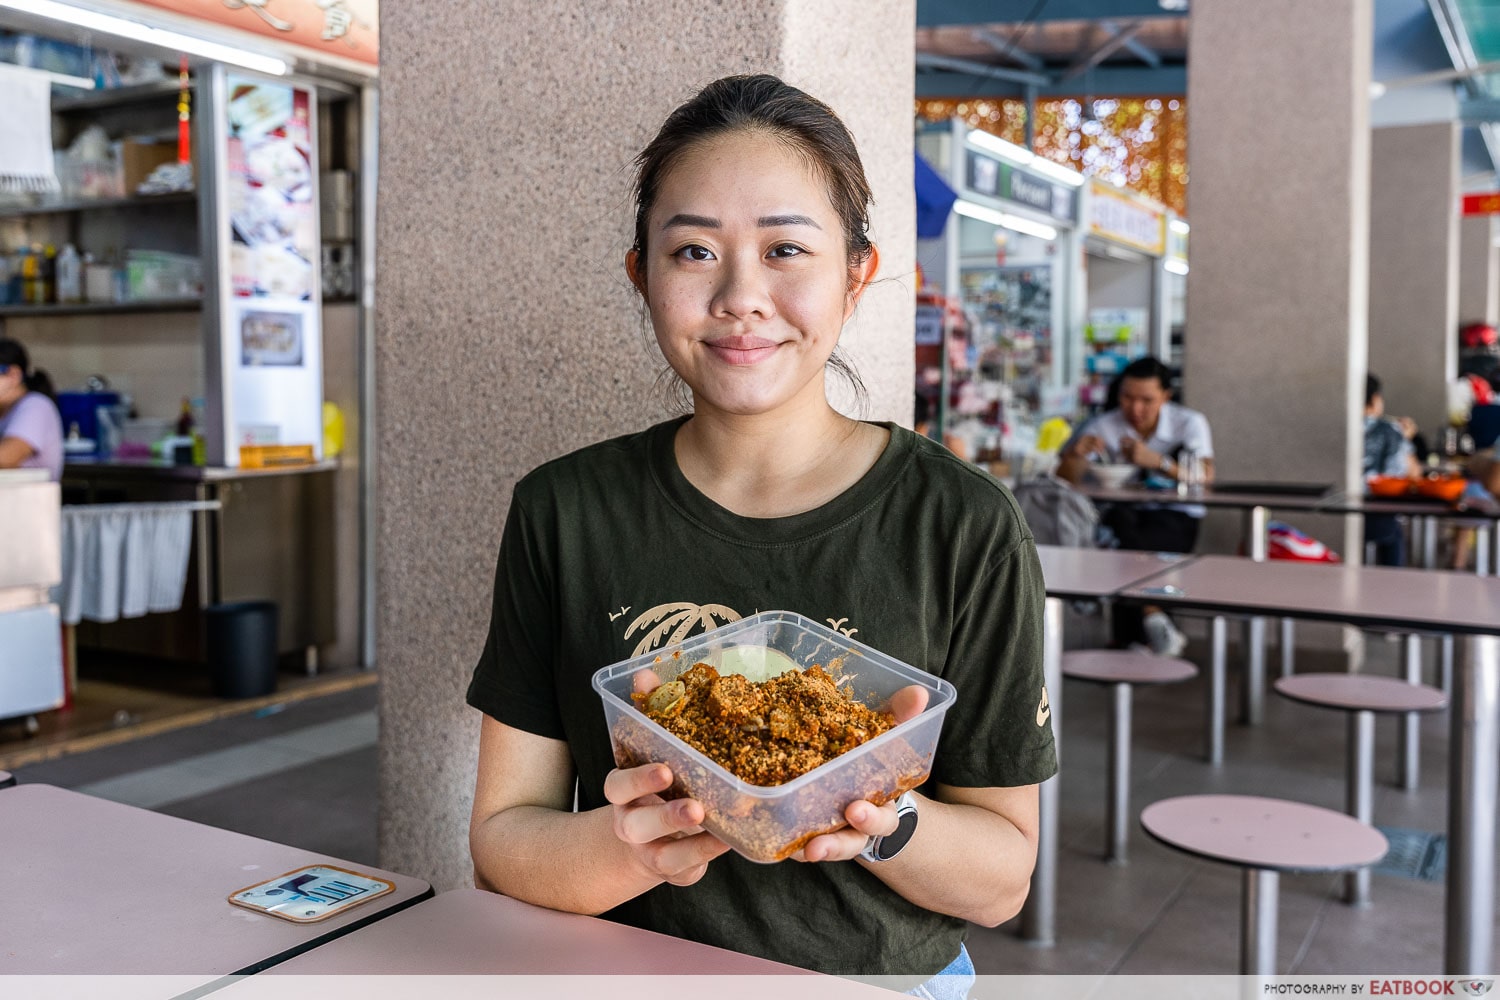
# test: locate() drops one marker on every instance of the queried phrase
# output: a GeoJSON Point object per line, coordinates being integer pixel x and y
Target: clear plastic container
{"type": "Point", "coordinates": [769, 824]}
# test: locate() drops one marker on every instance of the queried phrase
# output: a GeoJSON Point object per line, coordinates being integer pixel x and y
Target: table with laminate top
{"type": "Point", "coordinates": [475, 933]}
{"type": "Point", "coordinates": [1398, 600]}
{"type": "Point", "coordinates": [1071, 574]}
{"type": "Point", "coordinates": [1255, 506]}
{"type": "Point", "coordinates": [1426, 514]}
{"type": "Point", "coordinates": [96, 887]}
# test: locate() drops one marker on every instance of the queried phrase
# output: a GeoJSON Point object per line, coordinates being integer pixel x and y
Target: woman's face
{"type": "Point", "coordinates": [12, 384]}
{"type": "Point", "coordinates": [746, 275]}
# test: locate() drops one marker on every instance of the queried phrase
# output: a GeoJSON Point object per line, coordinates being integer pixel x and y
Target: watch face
{"type": "Point", "coordinates": [891, 846]}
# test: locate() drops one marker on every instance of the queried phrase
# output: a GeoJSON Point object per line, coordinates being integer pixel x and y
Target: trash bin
{"type": "Point", "coordinates": [242, 648]}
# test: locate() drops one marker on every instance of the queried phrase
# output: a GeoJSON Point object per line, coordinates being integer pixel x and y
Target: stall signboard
{"type": "Point", "coordinates": [270, 297]}
{"type": "Point", "coordinates": [1177, 244]}
{"type": "Point", "coordinates": [929, 325]}
{"type": "Point", "coordinates": [989, 176]}
{"type": "Point", "coordinates": [1056, 200]}
{"type": "Point", "coordinates": [1485, 203]}
{"type": "Point", "coordinates": [1115, 215]}
{"type": "Point", "coordinates": [983, 174]}
{"type": "Point", "coordinates": [349, 29]}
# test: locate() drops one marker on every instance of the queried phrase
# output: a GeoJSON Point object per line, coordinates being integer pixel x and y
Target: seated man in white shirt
{"type": "Point", "coordinates": [1149, 431]}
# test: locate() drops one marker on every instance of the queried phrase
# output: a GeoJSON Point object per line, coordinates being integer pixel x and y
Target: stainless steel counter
{"type": "Point", "coordinates": [92, 468]}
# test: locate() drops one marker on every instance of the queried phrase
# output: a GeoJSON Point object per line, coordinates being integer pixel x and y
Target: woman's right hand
{"type": "Point", "coordinates": [665, 838]}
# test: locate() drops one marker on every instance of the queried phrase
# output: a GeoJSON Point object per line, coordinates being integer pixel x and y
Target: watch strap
{"type": "Point", "coordinates": [879, 849]}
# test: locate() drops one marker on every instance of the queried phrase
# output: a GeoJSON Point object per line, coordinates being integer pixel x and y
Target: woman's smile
{"type": "Point", "coordinates": [741, 349]}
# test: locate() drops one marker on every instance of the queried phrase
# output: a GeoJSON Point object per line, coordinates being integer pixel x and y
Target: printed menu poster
{"type": "Point", "coordinates": [271, 208]}
{"type": "Point", "coordinates": [271, 334]}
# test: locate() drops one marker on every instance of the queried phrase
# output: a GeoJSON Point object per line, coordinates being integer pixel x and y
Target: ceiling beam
{"type": "Point", "coordinates": [1108, 81]}
{"type": "Point", "coordinates": [1135, 46]}
{"type": "Point", "coordinates": [1479, 110]}
{"type": "Point", "coordinates": [1010, 49]}
{"type": "Point", "coordinates": [1461, 51]}
{"type": "Point", "coordinates": [1088, 60]}
{"type": "Point", "coordinates": [946, 13]}
{"type": "Point", "coordinates": [926, 60]}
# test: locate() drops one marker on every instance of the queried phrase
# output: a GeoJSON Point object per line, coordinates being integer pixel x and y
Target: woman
{"type": "Point", "coordinates": [31, 435]}
{"type": "Point", "coordinates": [750, 254]}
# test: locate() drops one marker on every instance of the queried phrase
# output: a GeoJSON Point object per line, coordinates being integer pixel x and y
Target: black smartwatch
{"type": "Point", "coordinates": [885, 848]}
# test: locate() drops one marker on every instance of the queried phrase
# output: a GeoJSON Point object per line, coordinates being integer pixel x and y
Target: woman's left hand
{"type": "Point", "coordinates": [866, 819]}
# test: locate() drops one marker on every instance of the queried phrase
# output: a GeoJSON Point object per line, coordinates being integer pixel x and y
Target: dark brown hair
{"type": "Point", "coordinates": [13, 354]}
{"type": "Point", "coordinates": [763, 103]}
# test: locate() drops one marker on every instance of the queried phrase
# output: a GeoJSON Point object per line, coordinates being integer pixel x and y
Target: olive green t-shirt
{"type": "Point", "coordinates": [610, 552]}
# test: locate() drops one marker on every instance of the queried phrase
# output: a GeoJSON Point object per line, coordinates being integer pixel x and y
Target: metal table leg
{"type": "Point", "coordinates": [1257, 540]}
{"type": "Point", "coordinates": [1219, 631]}
{"type": "Point", "coordinates": [1288, 647]}
{"type": "Point", "coordinates": [1039, 915]}
{"type": "Point", "coordinates": [1252, 710]}
{"type": "Point", "coordinates": [1445, 668]}
{"type": "Point", "coordinates": [1408, 765]}
{"type": "Point", "coordinates": [1360, 795]}
{"type": "Point", "coordinates": [1473, 782]}
{"type": "Point", "coordinates": [1258, 902]}
{"type": "Point", "coordinates": [1119, 776]}
{"type": "Point", "coordinates": [1429, 542]}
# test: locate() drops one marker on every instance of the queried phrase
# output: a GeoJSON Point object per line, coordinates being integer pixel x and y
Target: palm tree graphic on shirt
{"type": "Point", "coordinates": [667, 624]}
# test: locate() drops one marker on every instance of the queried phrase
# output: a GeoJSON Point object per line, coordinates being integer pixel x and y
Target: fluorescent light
{"type": "Point", "coordinates": [81, 82]}
{"type": "Point", "coordinates": [1005, 150]}
{"type": "Point", "coordinates": [1004, 219]}
{"type": "Point", "coordinates": [1022, 157]}
{"type": "Point", "coordinates": [122, 27]}
{"type": "Point", "coordinates": [1178, 226]}
{"type": "Point", "coordinates": [1175, 265]}
{"type": "Point", "coordinates": [1057, 171]}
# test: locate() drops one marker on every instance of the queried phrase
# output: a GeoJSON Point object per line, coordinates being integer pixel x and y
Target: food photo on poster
{"type": "Point", "coordinates": [272, 209]}
{"type": "Point", "coordinates": [270, 338]}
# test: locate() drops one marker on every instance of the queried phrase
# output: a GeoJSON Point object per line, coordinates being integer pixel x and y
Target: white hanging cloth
{"type": "Point", "coordinates": [26, 123]}
{"type": "Point", "coordinates": [124, 560]}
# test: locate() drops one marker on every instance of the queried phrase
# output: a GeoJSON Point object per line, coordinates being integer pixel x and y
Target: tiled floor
{"type": "Point", "coordinates": [306, 775]}
{"type": "Point", "coordinates": [1166, 913]}
{"type": "Point", "coordinates": [303, 774]}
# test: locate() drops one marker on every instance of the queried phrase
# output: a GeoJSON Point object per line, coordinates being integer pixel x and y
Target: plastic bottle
{"type": "Point", "coordinates": [47, 293]}
{"type": "Point", "coordinates": [30, 270]}
{"type": "Point", "coordinates": [69, 275]}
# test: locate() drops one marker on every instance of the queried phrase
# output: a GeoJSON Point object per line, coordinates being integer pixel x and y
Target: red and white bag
{"type": "Point", "coordinates": [1286, 542]}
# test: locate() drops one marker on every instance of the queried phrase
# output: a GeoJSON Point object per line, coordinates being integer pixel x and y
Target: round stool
{"type": "Point", "coordinates": [1265, 837]}
{"type": "Point", "coordinates": [7, 779]}
{"type": "Point", "coordinates": [1122, 668]}
{"type": "Point", "coordinates": [1361, 696]}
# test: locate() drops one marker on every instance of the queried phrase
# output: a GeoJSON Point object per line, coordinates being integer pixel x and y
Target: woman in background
{"type": "Point", "coordinates": [31, 435]}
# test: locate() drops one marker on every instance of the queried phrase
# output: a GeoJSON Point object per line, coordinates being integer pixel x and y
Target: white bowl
{"type": "Point", "coordinates": [1113, 476]}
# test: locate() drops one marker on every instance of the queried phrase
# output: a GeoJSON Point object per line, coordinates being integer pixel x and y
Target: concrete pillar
{"type": "Point", "coordinates": [1277, 297]}
{"type": "Point", "coordinates": [507, 332]}
{"type": "Point", "coordinates": [1414, 267]}
{"type": "Point", "coordinates": [1478, 271]}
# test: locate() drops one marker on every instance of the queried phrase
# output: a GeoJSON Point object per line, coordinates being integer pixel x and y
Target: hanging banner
{"type": "Point", "coordinates": [1115, 215]}
{"type": "Point", "coordinates": [1487, 203]}
{"type": "Point", "coordinates": [346, 28]}
{"type": "Point", "coordinates": [271, 338]}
